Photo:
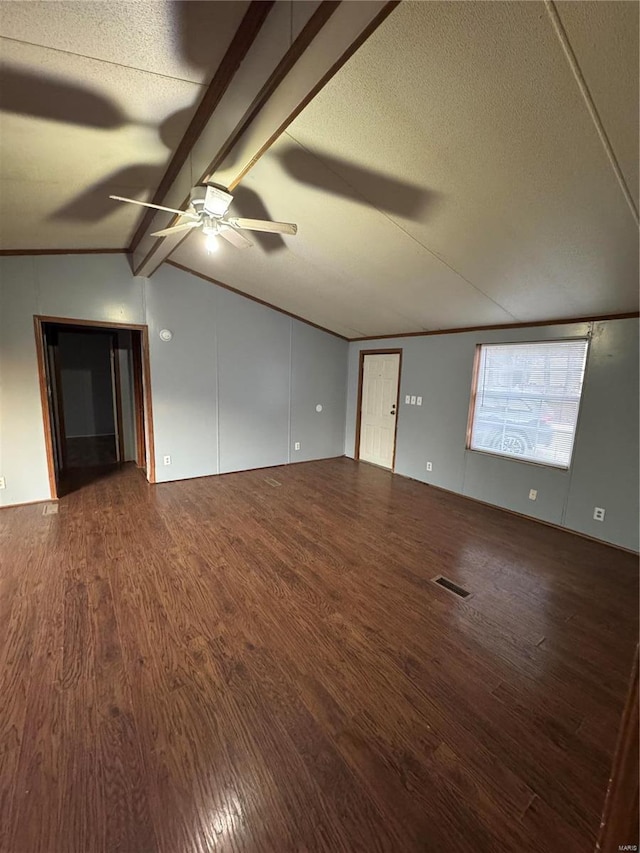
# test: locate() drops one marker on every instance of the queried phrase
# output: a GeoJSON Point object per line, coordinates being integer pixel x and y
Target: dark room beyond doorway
{"type": "Point", "coordinates": [95, 401]}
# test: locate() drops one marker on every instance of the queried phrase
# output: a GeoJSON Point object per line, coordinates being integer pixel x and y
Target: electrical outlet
{"type": "Point", "coordinates": [418, 401]}
{"type": "Point", "coordinates": [533, 494]}
{"type": "Point", "coordinates": [3, 484]}
{"type": "Point", "coordinates": [167, 460]}
{"type": "Point", "coordinates": [429, 466]}
{"type": "Point", "coordinates": [296, 446]}
{"type": "Point", "coordinates": [598, 513]}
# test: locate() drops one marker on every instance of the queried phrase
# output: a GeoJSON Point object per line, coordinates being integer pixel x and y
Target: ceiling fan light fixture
{"type": "Point", "coordinates": [213, 200]}
{"type": "Point", "coordinates": [211, 242]}
{"type": "Point", "coordinates": [216, 201]}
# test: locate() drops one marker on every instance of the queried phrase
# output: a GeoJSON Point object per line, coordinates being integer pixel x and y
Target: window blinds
{"type": "Point", "coordinates": [527, 398]}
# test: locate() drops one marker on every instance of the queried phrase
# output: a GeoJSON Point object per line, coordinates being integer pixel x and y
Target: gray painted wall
{"type": "Point", "coordinates": [318, 377]}
{"type": "Point", "coordinates": [87, 394]}
{"type": "Point", "coordinates": [604, 470]}
{"type": "Point", "coordinates": [227, 391]}
{"type": "Point", "coordinates": [238, 386]}
{"type": "Point", "coordinates": [23, 460]}
{"type": "Point", "coordinates": [183, 374]}
{"type": "Point", "coordinates": [265, 373]}
{"type": "Point", "coordinates": [254, 369]}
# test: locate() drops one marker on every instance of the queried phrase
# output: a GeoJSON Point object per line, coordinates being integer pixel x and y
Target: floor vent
{"type": "Point", "coordinates": [271, 481]}
{"type": "Point", "coordinates": [452, 587]}
{"type": "Point", "coordinates": [50, 509]}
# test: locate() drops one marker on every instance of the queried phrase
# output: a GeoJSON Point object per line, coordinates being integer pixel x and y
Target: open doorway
{"type": "Point", "coordinates": [96, 401]}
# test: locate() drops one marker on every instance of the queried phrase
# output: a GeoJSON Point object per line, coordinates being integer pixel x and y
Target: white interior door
{"type": "Point", "coordinates": [378, 411]}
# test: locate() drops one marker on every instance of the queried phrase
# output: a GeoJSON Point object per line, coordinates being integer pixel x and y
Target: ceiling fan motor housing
{"type": "Point", "coordinates": [211, 199]}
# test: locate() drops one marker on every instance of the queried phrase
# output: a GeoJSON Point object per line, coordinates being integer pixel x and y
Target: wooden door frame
{"type": "Point", "coordinates": [145, 400]}
{"type": "Point", "coordinates": [58, 400]}
{"type": "Point", "coordinates": [138, 398]}
{"type": "Point", "coordinates": [363, 353]}
{"type": "Point", "coordinates": [117, 395]}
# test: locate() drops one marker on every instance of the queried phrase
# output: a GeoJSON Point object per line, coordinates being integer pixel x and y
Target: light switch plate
{"type": "Point", "coordinates": [418, 401]}
{"type": "Point", "coordinates": [533, 494]}
{"type": "Point", "coordinates": [407, 399]}
{"type": "Point", "coordinates": [413, 399]}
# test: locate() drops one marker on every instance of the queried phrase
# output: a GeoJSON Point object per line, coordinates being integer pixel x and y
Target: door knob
{"type": "Point", "coordinates": [392, 412]}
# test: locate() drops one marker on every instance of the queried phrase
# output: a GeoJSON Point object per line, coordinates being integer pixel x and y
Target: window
{"type": "Point", "coordinates": [526, 399]}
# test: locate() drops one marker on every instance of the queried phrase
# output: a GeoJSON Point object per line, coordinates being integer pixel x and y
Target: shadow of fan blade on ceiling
{"type": "Point", "coordinates": [357, 183]}
{"type": "Point", "coordinates": [248, 205]}
{"type": "Point", "coordinates": [198, 23]}
{"type": "Point", "coordinates": [94, 204]}
{"type": "Point", "coordinates": [33, 95]}
{"type": "Point", "coordinates": [174, 126]}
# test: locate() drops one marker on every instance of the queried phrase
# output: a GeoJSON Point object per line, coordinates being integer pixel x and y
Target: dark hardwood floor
{"type": "Point", "coordinates": [260, 662]}
{"type": "Point", "coordinates": [88, 450]}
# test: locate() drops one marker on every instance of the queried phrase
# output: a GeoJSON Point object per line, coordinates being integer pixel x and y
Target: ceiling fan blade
{"type": "Point", "coordinates": [263, 225]}
{"type": "Point", "coordinates": [234, 237]}
{"type": "Point", "coordinates": [155, 206]}
{"type": "Point", "coordinates": [175, 229]}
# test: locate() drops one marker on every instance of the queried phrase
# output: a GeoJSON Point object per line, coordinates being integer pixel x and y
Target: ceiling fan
{"type": "Point", "coordinates": [208, 206]}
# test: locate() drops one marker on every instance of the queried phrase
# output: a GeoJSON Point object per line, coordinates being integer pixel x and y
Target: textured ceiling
{"type": "Point", "coordinates": [452, 173]}
{"type": "Point", "coordinates": [605, 39]}
{"type": "Point", "coordinates": [349, 269]}
{"type": "Point", "coordinates": [94, 99]}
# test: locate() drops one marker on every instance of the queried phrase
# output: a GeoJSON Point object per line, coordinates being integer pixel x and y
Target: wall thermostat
{"type": "Point", "coordinates": [166, 334]}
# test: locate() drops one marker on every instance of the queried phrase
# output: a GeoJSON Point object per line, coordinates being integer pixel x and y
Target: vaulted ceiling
{"type": "Point", "coordinates": [94, 99]}
{"type": "Point", "coordinates": [470, 164]}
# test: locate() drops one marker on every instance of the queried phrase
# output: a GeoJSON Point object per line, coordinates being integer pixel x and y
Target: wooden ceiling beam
{"type": "Point", "coordinates": [277, 78]}
{"type": "Point", "coordinates": [246, 33]}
